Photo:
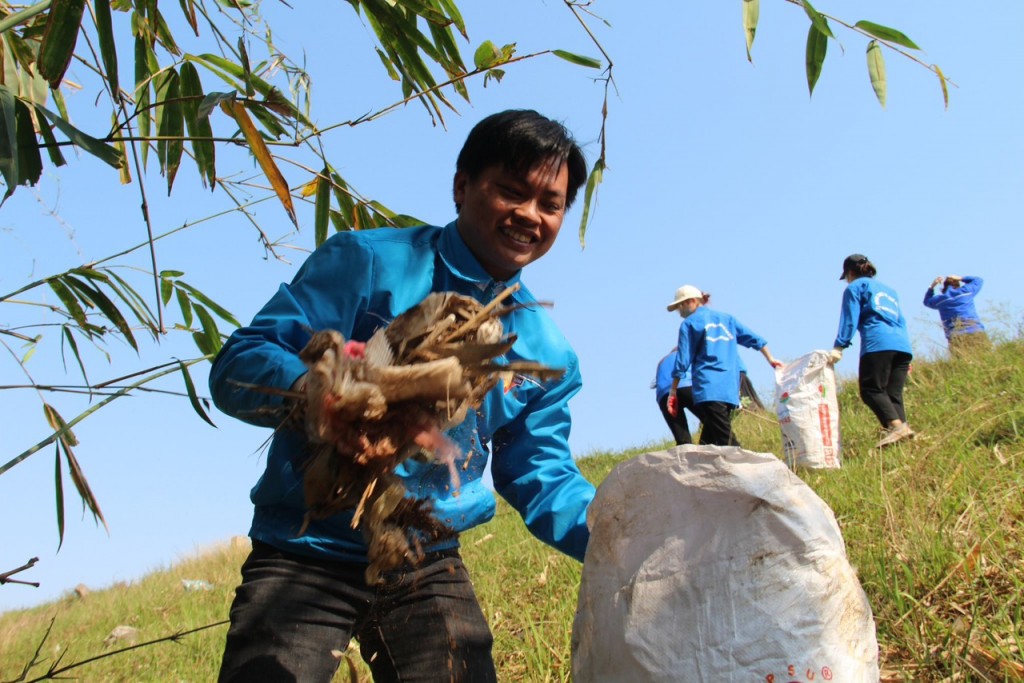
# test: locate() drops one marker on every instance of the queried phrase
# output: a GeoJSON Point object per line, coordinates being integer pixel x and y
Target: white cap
{"type": "Point", "coordinates": [683, 293]}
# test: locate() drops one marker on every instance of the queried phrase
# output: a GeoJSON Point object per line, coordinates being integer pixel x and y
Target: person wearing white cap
{"type": "Point", "coordinates": [709, 344]}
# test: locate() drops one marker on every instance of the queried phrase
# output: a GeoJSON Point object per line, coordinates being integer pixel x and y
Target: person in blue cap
{"type": "Point", "coordinates": [873, 309]}
{"type": "Point", "coordinates": [304, 592]}
{"type": "Point", "coordinates": [708, 346]}
{"type": "Point", "coordinates": [662, 386]}
{"type": "Point", "coordinates": [955, 304]}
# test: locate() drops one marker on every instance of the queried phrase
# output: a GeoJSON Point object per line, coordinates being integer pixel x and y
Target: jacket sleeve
{"type": "Point", "coordinates": [932, 299]}
{"type": "Point", "coordinates": [684, 353]}
{"type": "Point", "coordinates": [972, 284]}
{"type": "Point", "coordinates": [746, 337]}
{"type": "Point", "coordinates": [848, 318]}
{"type": "Point", "coordinates": [327, 292]}
{"type": "Point", "coordinates": [534, 471]}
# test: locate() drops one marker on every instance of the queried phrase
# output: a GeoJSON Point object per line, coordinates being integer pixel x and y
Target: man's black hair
{"type": "Point", "coordinates": [519, 140]}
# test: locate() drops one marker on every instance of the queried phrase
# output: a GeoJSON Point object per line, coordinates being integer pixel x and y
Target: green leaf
{"type": "Point", "coordinates": [52, 148]}
{"type": "Point", "coordinates": [67, 298]}
{"type": "Point", "coordinates": [166, 290]}
{"type": "Point", "coordinates": [221, 312]}
{"type": "Point", "coordinates": [322, 208]}
{"type": "Point", "coordinates": [487, 55]}
{"type": "Point", "coordinates": [185, 304]}
{"type": "Point", "coordinates": [190, 388]}
{"type": "Point", "coordinates": [210, 330]}
{"type": "Point", "coordinates": [170, 126]}
{"type": "Point", "coordinates": [101, 150]}
{"type": "Point", "coordinates": [188, 8]}
{"type": "Point", "coordinates": [8, 141]}
{"type": "Point", "coordinates": [136, 303]}
{"type": "Point", "coordinates": [751, 15]}
{"type": "Point", "coordinates": [106, 306]}
{"type": "Point", "coordinates": [578, 59]}
{"type": "Point", "coordinates": [876, 70]}
{"type": "Point", "coordinates": [817, 46]}
{"type": "Point", "coordinates": [589, 199]}
{"type": "Point", "coordinates": [59, 38]}
{"type": "Point", "coordinates": [199, 129]}
{"type": "Point", "coordinates": [886, 33]}
{"type": "Point", "coordinates": [57, 423]}
{"type": "Point", "coordinates": [388, 65]}
{"type": "Point", "coordinates": [171, 274]}
{"type": "Point", "coordinates": [69, 337]}
{"type": "Point", "coordinates": [30, 164]}
{"type": "Point", "coordinates": [817, 18]}
{"type": "Point", "coordinates": [203, 344]}
{"type": "Point", "coordinates": [942, 83]}
{"type": "Point", "coordinates": [108, 50]}
{"type": "Point", "coordinates": [143, 78]}
{"type": "Point", "coordinates": [211, 101]}
{"type": "Point", "coordinates": [58, 485]}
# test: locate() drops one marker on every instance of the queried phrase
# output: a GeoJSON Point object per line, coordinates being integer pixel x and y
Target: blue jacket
{"type": "Point", "coordinates": [709, 349]}
{"type": "Point", "coordinates": [662, 384]}
{"type": "Point", "coordinates": [956, 307]}
{"type": "Point", "coordinates": [355, 283]}
{"type": "Point", "coordinates": [873, 309]}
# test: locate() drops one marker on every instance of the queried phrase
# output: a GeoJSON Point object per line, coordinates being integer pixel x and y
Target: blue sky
{"type": "Point", "coordinates": [722, 174]}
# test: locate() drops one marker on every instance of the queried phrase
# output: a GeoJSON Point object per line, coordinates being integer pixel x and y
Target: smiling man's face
{"type": "Point", "coordinates": [509, 219]}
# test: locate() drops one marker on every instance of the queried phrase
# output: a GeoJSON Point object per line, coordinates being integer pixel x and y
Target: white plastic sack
{"type": "Point", "coordinates": [805, 400]}
{"type": "Point", "coordinates": [714, 564]}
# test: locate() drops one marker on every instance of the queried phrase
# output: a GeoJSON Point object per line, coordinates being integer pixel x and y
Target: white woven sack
{"type": "Point", "coordinates": [716, 564]}
{"type": "Point", "coordinates": [805, 401]}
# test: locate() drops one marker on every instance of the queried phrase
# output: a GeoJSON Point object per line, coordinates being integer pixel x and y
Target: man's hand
{"type": "Point", "coordinates": [673, 405]}
{"type": "Point", "coordinates": [835, 355]}
{"type": "Point", "coordinates": [937, 281]}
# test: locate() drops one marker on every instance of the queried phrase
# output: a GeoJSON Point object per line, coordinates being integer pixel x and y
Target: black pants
{"type": "Point", "coordinates": [716, 423]}
{"type": "Point", "coordinates": [422, 623]}
{"type": "Point", "coordinates": [882, 376]}
{"type": "Point", "coordinates": [680, 429]}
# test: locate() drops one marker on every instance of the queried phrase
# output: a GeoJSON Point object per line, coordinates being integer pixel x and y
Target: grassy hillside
{"type": "Point", "coordinates": [934, 527]}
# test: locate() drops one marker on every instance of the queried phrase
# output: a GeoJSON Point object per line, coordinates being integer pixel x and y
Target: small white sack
{"type": "Point", "coordinates": [715, 564]}
{"type": "Point", "coordinates": [805, 400]}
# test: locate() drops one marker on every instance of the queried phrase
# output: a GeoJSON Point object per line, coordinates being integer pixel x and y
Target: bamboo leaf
{"type": "Point", "coordinates": [185, 304]}
{"type": "Point", "coordinates": [46, 131]}
{"type": "Point", "coordinates": [78, 477]}
{"type": "Point", "coordinates": [166, 290]}
{"type": "Point", "coordinates": [751, 15]}
{"type": "Point", "coordinates": [68, 299]}
{"type": "Point", "coordinates": [233, 74]}
{"type": "Point", "coordinates": [210, 330]}
{"type": "Point", "coordinates": [188, 8]}
{"type": "Point", "coordinates": [108, 50]}
{"type": "Point", "coordinates": [589, 197]}
{"type": "Point", "coordinates": [212, 101]}
{"type": "Point", "coordinates": [142, 94]}
{"type": "Point", "coordinates": [57, 423]}
{"type": "Point", "coordinates": [876, 70]}
{"type": "Point", "coordinates": [109, 310]}
{"type": "Point", "coordinates": [388, 65]}
{"type": "Point", "coordinates": [322, 208]}
{"type": "Point", "coordinates": [942, 83]}
{"type": "Point", "coordinates": [199, 129]}
{"type": "Point", "coordinates": [69, 337]}
{"type": "Point", "coordinates": [59, 39]}
{"type": "Point", "coordinates": [136, 302]}
{"type": "Point", "coordinates": [8, 141]}
{"type": "Point", "coordinates": [885, 33]}
{"type": "Point", "coordinates": [101, 150]}
{"type": "Point", "coordinates": [486, 55]}
{"type": "Point", "coordinates": [171, 274]}
{"type": "Point", "coordinates": [221, 312]}
{"type": "Point", "coordinates": [163, 32]}
{"type": "Point", "coordinates": [817, 46]}
{"type": "Point", "coordinates": [58, 485]}
{"type": "Point", "coordinates": [580, 60]}
{"type": "Point", "coordinates": [259, 149]}
{"type": "Point", "coordinates": [170, 126]}
{"type": "Point", "coordinates": [203, 344]}
{"type": "Point", "coordinates": [30, 164]}
{"type": "Point", "coordinates": [190, 388]}
{"type": "Point", "coordinates": [817, 18]}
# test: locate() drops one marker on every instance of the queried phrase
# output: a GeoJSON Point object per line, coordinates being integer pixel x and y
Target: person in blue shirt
{"type": "Point", "coordinates": [708, 346]}
{"type": "Point", "coordinates": [955, 304]}
{"type": "Point", "coordinates": [873, 309]}
{"type": "Point", "coordinates": [662, 386]}
{"type": "Point", "coordinates": [304, 594]}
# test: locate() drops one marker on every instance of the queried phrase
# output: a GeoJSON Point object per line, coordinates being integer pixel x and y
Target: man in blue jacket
{"type": "Point", "coordinates": [304, 595]}
{"type": "Point", "coordinates": [955, 304]}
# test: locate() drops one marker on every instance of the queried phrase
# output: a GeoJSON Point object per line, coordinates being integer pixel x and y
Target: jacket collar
{"type": "Point", "coordinates": [461, 261]}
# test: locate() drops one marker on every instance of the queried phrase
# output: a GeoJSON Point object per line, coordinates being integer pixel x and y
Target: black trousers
{"type": "Point", "coordinates": [680, 429]}
{"type": "Point", "coordinates": [882, 377]}
{"type": "Point", "coordinates": [716, 423]}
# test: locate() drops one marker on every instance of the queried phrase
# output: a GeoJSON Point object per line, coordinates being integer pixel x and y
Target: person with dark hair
{"type": "Point", "coordinates": [708, 346]}
{"type": "Point", "coordinates": [955, 304]}
{"type": "Point", "coordinates": [662, 386]}
{"type": "Point", "coordinates": [304, 592]}
{"type": "Point", "coordinates": [873, 309]}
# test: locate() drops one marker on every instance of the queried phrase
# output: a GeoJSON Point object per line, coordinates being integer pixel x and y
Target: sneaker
{"type": "Point", "coordinates": [894, 434]}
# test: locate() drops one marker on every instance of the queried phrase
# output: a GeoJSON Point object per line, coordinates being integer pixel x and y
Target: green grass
{"type": "Point", "coordinates": [934, 527]}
